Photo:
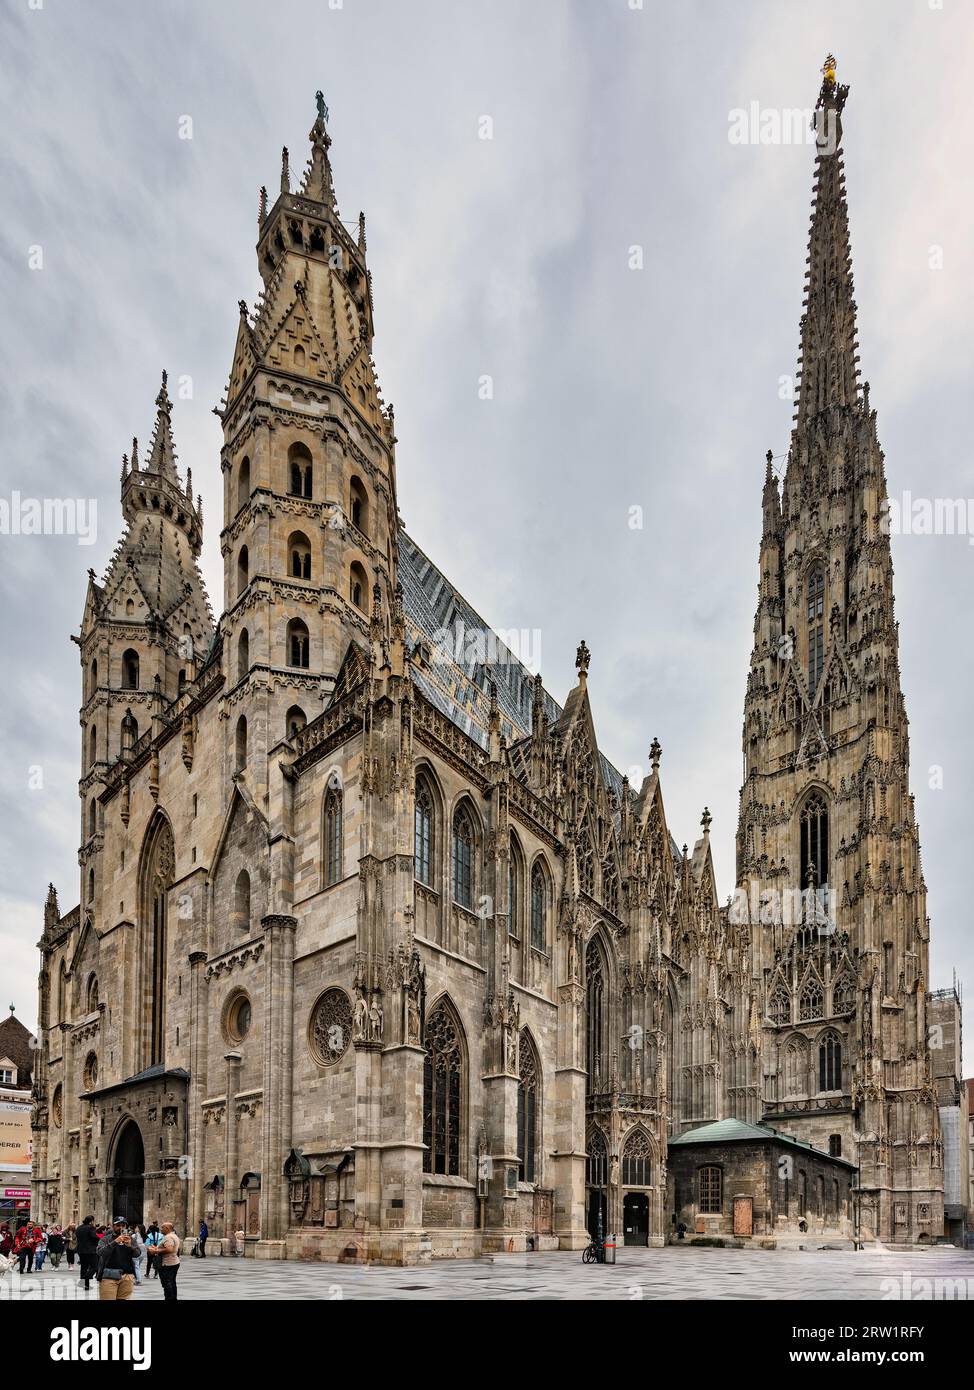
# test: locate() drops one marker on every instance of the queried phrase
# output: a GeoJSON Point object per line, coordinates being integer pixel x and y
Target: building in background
{"type": "Point", "coordinates": [969, 1088]}
{"type": "Point", "coordinates": [16, 1148]}
{"type": "Point", "coordinates": [944, 1018]}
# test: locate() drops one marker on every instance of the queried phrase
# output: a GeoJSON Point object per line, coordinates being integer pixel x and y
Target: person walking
{"type": "Point", "coordinates": [86, 1239]}
{"type": "Point", "coordinates": [24, 1250]}
{"type": "Point", "coordinates": [70, 1243]}
{"type": "Point", "coordinates": [40, 1250]}
{"type": "Point", "coordinates": [168, 1260]}
{"type": "Point", "coordinates": [138, 1250]}
{"type": "Point", "coordinates": [55, 1247]}
{"type": "Point", "coordinates": [153, 1238]}
{"type": "Point", "coordinates": [204, 1232]}
{"type": "Point", "coordinates": [116, 1264]}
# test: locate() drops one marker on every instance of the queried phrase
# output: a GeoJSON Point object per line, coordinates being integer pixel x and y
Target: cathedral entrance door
{"type": "Point", "coordinates": [129, 1175]}
{"type": "Point", "coordinates": [635, 1218]}
{"type": "Point", "coordinates": [743, 1216]}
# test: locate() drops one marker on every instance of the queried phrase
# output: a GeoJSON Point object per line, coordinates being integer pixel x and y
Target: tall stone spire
{"type": "Point", "coordinates": [317, 183]}
{"type": "Point", "coordinates": [162, 452]}
{"type": "Point", "coordinates": [828, 361]}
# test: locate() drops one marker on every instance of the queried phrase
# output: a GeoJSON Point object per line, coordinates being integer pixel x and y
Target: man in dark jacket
{"type": "Point", "coordinates": [116, 1263]}
{"type": "Point", "coordinates": [87, 1249]}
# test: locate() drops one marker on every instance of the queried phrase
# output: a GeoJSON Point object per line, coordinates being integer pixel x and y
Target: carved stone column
{"type": "Point", "coordinates": [279, 930]}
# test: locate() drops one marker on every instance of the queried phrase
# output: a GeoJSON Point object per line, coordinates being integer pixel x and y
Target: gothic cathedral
{"type": "Point", "coordinates": [377, 957]}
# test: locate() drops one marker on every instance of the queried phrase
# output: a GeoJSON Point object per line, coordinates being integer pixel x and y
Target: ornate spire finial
{"type": "Point", "coordinates": [655, 753]}
{"type": "Point", "coordinates": [262, 207]}
{"type": "Point", "coordinates": [135, 455]}
{"type": "Point", "coordinates": [285, 171]}
{"type": "Point", "coordinates": [582, 658]}
{"type": "Point", "coordinates": [705, 820]}
{"type": "Point", "coordinates": [322, 108]}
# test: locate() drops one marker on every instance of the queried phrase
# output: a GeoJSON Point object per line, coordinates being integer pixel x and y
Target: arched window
{"type": "Point", "coordinates": [91, 999]}
{"type": "Point", "coordinates": [596, 1161]}
{"type": "Point", "coordinates": [443, 1089]}
{"type": "Point", "coordinates": [586, 863]}
{"type": "Point", "coordinates": [796, 1068]}
{"type": "Point", "coordinates": [637, 1161]}
{"type": "Point", "coordinates": [830, 1063]}
{"type": "Point", "coordinates": [815, 628]}
{"type": "Point", "coordinates": [299, 556]}
{"type": "Point", "coordinates": [156, 878]}
{"type": "Point", "coordinates": [294, 721]}
{"type": "Point", "coordinates": [711, 1190]}
{"type": "Point", "coordinates": [333, 835]}
{"type": "Point", "coordinates": [91, 888]}
{"type": "Point", "coordinates": [515, 876]}
{"type": "Point", "coordinates": [93, 685]}
{"type": "Point", "coordinates": [359, 506]}
{"type": "Point", "coordinates": [240, 745]}
{"type": "Point", "coordinates": [802, 1192]}
{"type": "Point", "coordinates": [298, 644]}
{"type": "Point", "coordinates": [130, 731]}
{"type": "Point", "coordinates": [92, 745]}
{"type": "Point", "coordinates": [299, 470]}
{"type": "Point", "coordinates": [843, 995]}
{"type": "Point", "coordinates": [241, 901]}
{"type": "Point", "coordinates": [358, 587]}
{"type": "Point", "coordinates": [243, 570]}
{"type": "Point", "coordinates": [130, 670]}
{"type": "Point", "coordinates": [811, 1001]}
{"type": "Point", "coordinates": [243, 484]}
{"type": "Point", "coordinates": [243, 654]}
{"type": "Point", "coordinates": [779, 1009]}
{"type": "Point", "coordinates": [92, 816]}
{"type": "Point", "coordinates": [463, 847]}
{"type": "Point", "coordinates": [423, 834]}
{"type": "Point", "coordinates": [610, 886]}
{"type": "Point", "coordinates": [835, 1145]}
{"type": "Point", "coordinates": [528, 1107]}
{"type": "Point", "coordinates": [539, 908]}
{"type": "Point", "coordinates": [814, 841]}
{"type": "Point", "coordinates": [595, 1011]}
{"type": "Point", "coordinates": [62, 994]}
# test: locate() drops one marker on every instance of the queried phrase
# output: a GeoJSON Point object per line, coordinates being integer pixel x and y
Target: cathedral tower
{"type": "Point", "coordinates": [828, 855]}
{"type": "Point", "coordinates": [310, 518]}
{"type": "Point", "coordinates": [146, 628]}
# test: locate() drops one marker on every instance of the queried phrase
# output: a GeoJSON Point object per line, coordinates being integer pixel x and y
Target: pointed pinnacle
{"type": "Point", "coordinates": [285, 172]}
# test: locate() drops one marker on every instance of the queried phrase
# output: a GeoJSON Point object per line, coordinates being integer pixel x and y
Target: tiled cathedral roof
{"type": "Point", "coordinates": [454, 676]}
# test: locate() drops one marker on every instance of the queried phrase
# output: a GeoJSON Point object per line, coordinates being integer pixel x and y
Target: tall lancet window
{"type": "Point", "coordinates": [816, 628]}
{"type": "Point", "coordinates": [158, 866]}
{"type": "Point", "coordinates": [595, 1013]}
{"type": "Point", "coordinates": [814, 842]}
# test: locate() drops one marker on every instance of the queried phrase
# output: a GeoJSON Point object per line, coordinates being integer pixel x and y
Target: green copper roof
{"type": "Point", "coordinates": [731, 1131]}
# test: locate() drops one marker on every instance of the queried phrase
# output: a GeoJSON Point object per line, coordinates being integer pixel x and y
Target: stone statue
{"type": "Point", "coordinates": [375, 1019]}
{"type": "Point", "coordinates": [360, 1018]}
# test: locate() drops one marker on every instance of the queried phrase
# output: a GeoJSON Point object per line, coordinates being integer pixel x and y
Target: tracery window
{"type": "Point", "coordinates": [333, 835]}
{"type": "Point", "coordinates": [815, 628]}
{"type": "Point", "coordinates": [539, 899]}
{"type": "Point", "coordinates": [814, 841]}
{"type": "Point", "coordinates": [710, 1180]}
{"type": "Point", "coordinates": [843, 995]}
{"type": "Point", "coordinates": [463, 843]}
{"type": "Point", "coordinates": [423, 834]}
{"type": "Point", "coordinates": [597, 1160]}
{"type": "Point", "coordinates": [796, 1068]}
{"type": "Point", "coordinates": [811, 1002]}
{"type": "Point", "coordinates": [595, 1011]}
{"type": "Point", "coordinates": [513, 889]}
{"type": "Point", "coordinates": [586, 864]}
{"type": "Point", "coordinates": [528, 1106]}
{"type": "Point", "coordinates": [330, 1027]}
{"type": "Point", "coordinates": [637, 1165]}
{"type": "Point", "coordinates": [779, 1009]}
{"type": "Point", "coordinates": [443, 1084]}
{"type": "Point", "coordinates": [830, 1063]}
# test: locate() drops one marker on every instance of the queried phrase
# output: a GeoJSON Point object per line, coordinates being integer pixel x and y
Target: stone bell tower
{"type": "Point", "coordinates": [310, 518]}
{"type": "Point", "coordinates": [828, 853]}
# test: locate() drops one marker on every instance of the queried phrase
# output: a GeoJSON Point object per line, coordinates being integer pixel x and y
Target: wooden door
{"type": "Point", "coordinates": [743, 1216]}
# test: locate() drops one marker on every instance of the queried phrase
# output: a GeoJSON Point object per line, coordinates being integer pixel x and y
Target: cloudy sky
{"type": "Point", "coordinates": [614, 387]}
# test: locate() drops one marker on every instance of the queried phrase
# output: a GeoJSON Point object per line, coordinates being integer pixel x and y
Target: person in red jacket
{"type": "Point", "coordinates": [24, 1245]}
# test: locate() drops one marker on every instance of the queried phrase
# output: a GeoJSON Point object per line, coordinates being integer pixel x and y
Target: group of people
{"type": "Point", "coordinates": [118, 1257]}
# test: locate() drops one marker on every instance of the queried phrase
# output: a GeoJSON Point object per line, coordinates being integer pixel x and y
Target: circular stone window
{"type": "Point", "coordinates": [237, 1017]}
{"type": "Point", "coordinates": [57, 1113]}
{"type": "Point", "coordinates": [330, 1029]}
{"type": "Point", "coordinates": [91, 1072]}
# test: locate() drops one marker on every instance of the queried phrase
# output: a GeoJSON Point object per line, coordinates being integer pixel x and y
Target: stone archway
{"type": "Point", "coordinates": [128, 1174]}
